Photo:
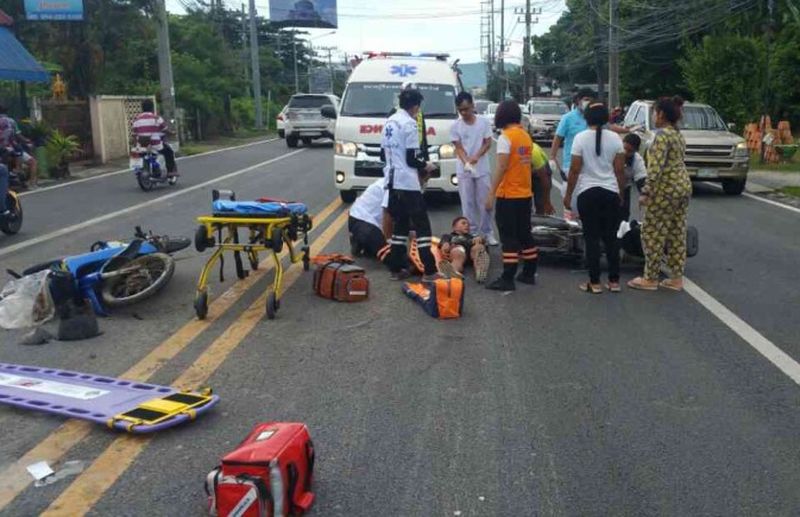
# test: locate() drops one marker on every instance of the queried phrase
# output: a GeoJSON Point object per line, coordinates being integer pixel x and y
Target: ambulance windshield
{"type": "Point", "coordinates": [378, 99]}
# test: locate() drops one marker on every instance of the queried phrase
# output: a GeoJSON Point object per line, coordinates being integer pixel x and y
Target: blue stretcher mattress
{"type": "Point", "coordinates": [255, 208]}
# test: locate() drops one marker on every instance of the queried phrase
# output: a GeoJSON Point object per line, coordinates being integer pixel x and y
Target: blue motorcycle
{"type": "Point", "coordinates": [116, 274]}
{"type": "Point", "coordinates": [149, 166]}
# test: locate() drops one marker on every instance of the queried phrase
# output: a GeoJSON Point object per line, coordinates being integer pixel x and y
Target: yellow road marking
{"type": "Point", "coordinates": [87, 489]}
{"type": "Point", "coordinates": [15, 478]}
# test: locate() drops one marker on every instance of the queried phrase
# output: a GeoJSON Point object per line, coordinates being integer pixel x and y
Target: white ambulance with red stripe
{"type": "Point", "coordinates": [370, 96]}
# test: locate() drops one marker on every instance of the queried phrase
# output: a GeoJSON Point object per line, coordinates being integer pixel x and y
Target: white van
{"type": "Point", "coordinates": [370, 95]}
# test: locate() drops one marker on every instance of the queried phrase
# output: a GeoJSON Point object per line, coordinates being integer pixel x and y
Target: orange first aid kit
{"type": "Point", "coordinates": [337, 278]}
{"type": "Point", "coordinates": [268, 475]}
{"type": "Point", "coordinates": [442, 299]}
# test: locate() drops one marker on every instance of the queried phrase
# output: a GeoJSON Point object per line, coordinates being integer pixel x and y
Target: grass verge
{"type": "Point", "coordinates": [791, 191]}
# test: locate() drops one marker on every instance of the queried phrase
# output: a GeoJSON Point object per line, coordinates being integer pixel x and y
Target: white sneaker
{"type": "Point", "coordinates": [491, 241]}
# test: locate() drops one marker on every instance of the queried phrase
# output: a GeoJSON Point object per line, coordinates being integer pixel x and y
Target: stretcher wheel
{"type": "Point", "coordinates": [272, 305]}
{"type": "Point", "coordinates": [276, 240]}
{"type": "Point", "coordinates": [202, 240]}
{"type": "Point", "coordinates": [240, 271]}
{"type": "Point", "coordinates": [201, 305]}
{"type": "Point", "coordinates": [306, 258]}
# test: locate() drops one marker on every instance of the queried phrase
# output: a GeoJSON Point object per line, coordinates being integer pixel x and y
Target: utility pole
{"type": "Point", "coordinates": [329, 50]}
{"type": "Point", "coordinates": [255, 66]}
{"type": "Point", "coordinates": [165, 64]}
{"type": "Point", "coordinates": [245, 52]}
{"type": "Point", "coordinates": [501, 57]}
{"type": "Point", "coordinates": [492, 47]}
{"type": "Point", "coordinates": [767, 78]}
{"type": "Point", "coordinates": [296, 77]}
{"type": "Point", "coordinates": [528, 83]}
{"type": "Point", "coordinates": [311, 56]}
{"type": "Point", "coordinates": [613, 55]}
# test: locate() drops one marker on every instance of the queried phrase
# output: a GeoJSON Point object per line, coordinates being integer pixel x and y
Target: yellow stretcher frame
{"type": "Point", "coordinates": [265, 234]}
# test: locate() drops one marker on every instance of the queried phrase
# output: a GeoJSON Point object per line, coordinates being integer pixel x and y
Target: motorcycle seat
{"type": "Point", "coordinates": [550, 222]}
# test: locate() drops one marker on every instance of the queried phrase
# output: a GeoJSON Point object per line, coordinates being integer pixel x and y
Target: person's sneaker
{"type": "Point", "coordinates": [501, 284]}
{"type": "Point", "coordinates": [447, 269]}
{"type": "Point", "coordinates": [482, 260]}
{"type": "Point", "coordinates": [433, 277]}
{"type": "Point", "coordinates": [491, 241]}
{"type": "Point", "coordinates": [400, 275]}
{"type": "Point", "coordinates": [526, 279]}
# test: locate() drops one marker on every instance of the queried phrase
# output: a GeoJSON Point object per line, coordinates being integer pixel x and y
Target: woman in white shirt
{"type": "Point", "coordinates": [596, 178]}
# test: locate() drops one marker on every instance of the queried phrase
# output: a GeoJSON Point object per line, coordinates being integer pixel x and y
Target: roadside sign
{"type": "Point", "coordinates": [54, 10]}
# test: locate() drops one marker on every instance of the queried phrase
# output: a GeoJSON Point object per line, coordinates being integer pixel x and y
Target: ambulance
{"type": "Point", "coordinates": [371, 94]}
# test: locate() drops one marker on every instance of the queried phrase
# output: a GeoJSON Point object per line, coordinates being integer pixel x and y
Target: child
{"type": "Point", "coordinates": [460, 246]}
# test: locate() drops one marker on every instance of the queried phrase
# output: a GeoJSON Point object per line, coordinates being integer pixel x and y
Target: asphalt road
{"type": "Point", "coordinates": [545, 401]}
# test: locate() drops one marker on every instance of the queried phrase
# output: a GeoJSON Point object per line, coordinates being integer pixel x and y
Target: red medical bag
{"type": "Point", "coordinates": [268, 475]}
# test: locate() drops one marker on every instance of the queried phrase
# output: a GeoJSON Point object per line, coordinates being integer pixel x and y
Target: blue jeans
{"type": "Point", "coordinates": [3, 187]}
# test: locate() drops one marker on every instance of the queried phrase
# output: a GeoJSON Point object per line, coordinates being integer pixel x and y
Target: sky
{"type": "Point", "coordinates": [452, 26]}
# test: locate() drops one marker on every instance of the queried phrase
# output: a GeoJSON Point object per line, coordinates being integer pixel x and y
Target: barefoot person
{"type": "Point", "coordinates": [666, 200]}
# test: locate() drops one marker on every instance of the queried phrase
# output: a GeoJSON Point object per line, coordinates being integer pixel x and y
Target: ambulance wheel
{"type": "Point", "coordinates": [201, 305]}
{"type": "Point", "coordinates": [276, 240]}
{"type": "Point", "coordinates": [272, 305]}
{"type": "Point", "coordinates": [202, 241]}
{"type": "Point", "coordinates": [348, 196]}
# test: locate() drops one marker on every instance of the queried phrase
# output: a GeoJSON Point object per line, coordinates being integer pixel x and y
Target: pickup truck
{"type": "Point", "coordinates": [713, 152]}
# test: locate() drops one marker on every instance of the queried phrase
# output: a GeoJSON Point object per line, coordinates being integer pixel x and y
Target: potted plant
{"type": "Point", "coordinates": [60, 148]}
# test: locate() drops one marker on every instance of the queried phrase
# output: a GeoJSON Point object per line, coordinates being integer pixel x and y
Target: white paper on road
{"type": "Point", "coordinates": [51, 387]}
{"type": "Point", "coordinates": [40, 470]}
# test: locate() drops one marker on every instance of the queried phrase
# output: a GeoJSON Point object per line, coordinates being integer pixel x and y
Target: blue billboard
{"type": "Point", "coordinates": [303, 13]}
{"type": "Point", "coordinates": [54, 10]}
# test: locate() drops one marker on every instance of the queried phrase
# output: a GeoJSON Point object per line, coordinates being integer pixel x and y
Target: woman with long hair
{"type": "Point", "coordinates": [666, 200]}
{"type": "Point", "coordinates": [596, 178]}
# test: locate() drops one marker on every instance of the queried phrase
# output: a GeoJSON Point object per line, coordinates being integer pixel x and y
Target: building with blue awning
{"type": "Point", "coordinates": [16, 63]}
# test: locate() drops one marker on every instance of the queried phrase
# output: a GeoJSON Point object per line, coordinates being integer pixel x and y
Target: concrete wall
{"type": "Point", "coordinates": [111, 117]}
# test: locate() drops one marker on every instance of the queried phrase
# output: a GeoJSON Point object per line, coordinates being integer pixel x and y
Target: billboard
{"type": "Point", "coordinates": [69, 10]}
{"type": "Point", "coordinates": [303, 13]}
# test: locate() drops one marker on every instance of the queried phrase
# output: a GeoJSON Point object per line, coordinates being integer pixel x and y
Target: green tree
{"type": "Point", "coordinates": [727, 72]}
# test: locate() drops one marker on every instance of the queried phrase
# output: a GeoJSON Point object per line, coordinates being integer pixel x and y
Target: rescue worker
{"type": "Point", "coordinates": [365, 222]}
{"type": "Point", "coordinates": [404, 174]}
{"type": "Point", "coordinates": [511, 184]}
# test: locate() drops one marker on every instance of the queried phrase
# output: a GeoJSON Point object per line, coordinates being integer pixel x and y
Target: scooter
{"type": "Point", "coordinates": [563, 239]}
{"type": "Point", "coordinates": [115, 274]}
{"type": "Point", "coordinates": [11, 223]}
{"type": "Point", "coordinates": [149, 166]}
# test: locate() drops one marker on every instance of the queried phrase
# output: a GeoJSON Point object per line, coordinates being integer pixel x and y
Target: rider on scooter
{"type": "Point", "coordinates": [4, 211]}
{"type": "Point", "coordinates": [148, 124]}
{"type": "Point", "coordinates": [11, 140]}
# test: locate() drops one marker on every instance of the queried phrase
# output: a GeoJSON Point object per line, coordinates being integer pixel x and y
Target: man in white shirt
{"type": "Point", "coordinates": [400, 144]}
{"type": "Point", "coordinates": [472, 137]}
{"type": "Point", "coordinates": [366, 221]}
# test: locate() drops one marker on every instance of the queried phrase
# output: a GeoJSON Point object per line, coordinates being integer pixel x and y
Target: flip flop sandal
{"type": "Point", "coordinates": [589, 288]}
{"type": "Point", "coordinates": [614, 288]}
{"type": "Point", "coordinates": [668, 284]}
{"type": "Point", "coordinates": [638, 283]}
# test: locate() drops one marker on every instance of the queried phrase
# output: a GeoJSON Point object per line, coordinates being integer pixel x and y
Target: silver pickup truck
{"type": "Point", "coordinates": [713, 153]}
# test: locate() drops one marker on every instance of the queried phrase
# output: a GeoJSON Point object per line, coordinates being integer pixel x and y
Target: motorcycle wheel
{"type": "Point", "coordinates": [146, 275]}
{"type": "Point", "coordinates": [144, 180]}
{"type": "Point", "coordinates": [12, 224]}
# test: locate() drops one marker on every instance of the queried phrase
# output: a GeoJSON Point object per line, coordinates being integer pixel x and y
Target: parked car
{"type": "Point", "coordinates": [489, 112]}
{"type": "Point", "coordinates": [304, 120]}
{"type": "Point", "coordinates": [545, 114]}
{"type": "Point", "coordinates": [713, 152]}
{"type": "Point", "coordinates": [481, 105]}
{"type": "Point", "coordinates": [526, 118]}
{"type": "Point", "coordinates": [280, 122]}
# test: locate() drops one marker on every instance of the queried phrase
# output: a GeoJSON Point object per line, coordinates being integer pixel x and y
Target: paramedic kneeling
{"type": "Point", "coordinates": [400, 144]}
{"type": "Point", "coordinates": [366, 221]}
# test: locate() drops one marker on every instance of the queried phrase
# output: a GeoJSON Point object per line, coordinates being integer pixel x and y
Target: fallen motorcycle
{"type": "Point", "coordinates": [563, 239]}
{"type": "Point", "coordinates": [115, 274]}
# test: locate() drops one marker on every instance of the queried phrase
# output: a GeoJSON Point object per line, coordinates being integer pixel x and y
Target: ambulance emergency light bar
{"type": "Point", "coordinates": [438, 55]}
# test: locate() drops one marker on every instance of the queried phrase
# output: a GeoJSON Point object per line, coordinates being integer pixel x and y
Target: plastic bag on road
{"type": "Point", "coordinates": [26, 302]}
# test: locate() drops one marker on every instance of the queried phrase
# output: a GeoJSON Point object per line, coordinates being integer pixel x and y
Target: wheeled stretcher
{"type": "Point", "coordinates": [269, 224]}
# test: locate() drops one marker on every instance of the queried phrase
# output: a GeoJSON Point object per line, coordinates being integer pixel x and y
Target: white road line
{"type": "Point", "coordinates": [85, 224]}
{"type": "Point", "coordinates": [123, 171]}
{"type": "Point", "coordinates": [762, 345]}
{"type": "Point", "coordinates": [759, 198]}
{"type": "Point", "coordinates": [750, 335]}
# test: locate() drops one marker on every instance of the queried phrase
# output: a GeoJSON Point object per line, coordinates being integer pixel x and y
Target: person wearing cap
{"type": "Point", "coordinates": [404, 174]}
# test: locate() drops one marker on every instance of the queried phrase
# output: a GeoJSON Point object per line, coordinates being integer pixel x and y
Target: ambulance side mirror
{"type": "Point", "coordinates": [328, 111]}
